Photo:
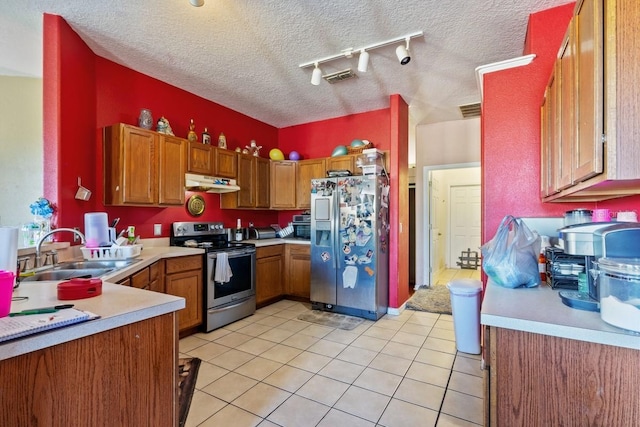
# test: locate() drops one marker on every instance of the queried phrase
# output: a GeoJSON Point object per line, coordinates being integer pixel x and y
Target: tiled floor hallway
{"type": "Point", "coordinates": [271, 369]}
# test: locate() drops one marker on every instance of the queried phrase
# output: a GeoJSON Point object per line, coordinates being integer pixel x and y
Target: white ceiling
{"type": "Point", "coordinates": [244, 54]}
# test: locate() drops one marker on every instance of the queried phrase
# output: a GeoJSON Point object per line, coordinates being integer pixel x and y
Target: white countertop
{"type": "Point", "coordinates": [540, 310]}
{"type": "Point", "coordinates": [117, 306]}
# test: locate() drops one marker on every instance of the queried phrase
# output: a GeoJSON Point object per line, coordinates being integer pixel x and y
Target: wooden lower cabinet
{"type": "Point", "coordinates": [148, 278]}
{"type": "Point", "coordinates": [298, 273]}
{"type": "Point", "coordinates": [269, 277]}
{"type": "Point", "coordinates": [124, 376]}
{"type": "Point", "coordinates": [183, 278]}
{"type": "Point", "coordinates": [539, 380]}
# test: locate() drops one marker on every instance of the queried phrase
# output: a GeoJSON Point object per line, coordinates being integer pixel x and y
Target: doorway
{"type": "Point", "coordinates": [452, 216]}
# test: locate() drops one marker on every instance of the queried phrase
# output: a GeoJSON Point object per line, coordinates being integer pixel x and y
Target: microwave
{"type": "Point", "coordinates": [302, 226]}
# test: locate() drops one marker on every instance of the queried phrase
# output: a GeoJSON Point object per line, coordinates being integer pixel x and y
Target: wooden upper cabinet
{"type": "Point", "coordinates": [253, 180]}
{"type": "Point", "coordinates": [307, 170]}
{"type": "Point", "coordinates": [545, 146]}
{"type": "Point", "coordinates": [246, 181]}
{"type": "Point", "coordinates": [567, 106]}
{"type": "Point", "coordinates": [130, 156]}
{"type": "Point", "coordinates": [283, 184]}
{"type": "Point", "coordinates": [172, 163]}
{"type": "Point", "coordinates": [201, 159]}
{"type": "Point", "coordinates": [589, 62]}
{"type": "Point", "coordinates": [262, 185]}
{"type": "Point", "coordinates": [554, 131]}
{"type": "Point", "coordinates": [226, 163]}
{"type": "Point", "coordinates": [347, 162]}
{"type": "Point", "coordinates": [606, 147]}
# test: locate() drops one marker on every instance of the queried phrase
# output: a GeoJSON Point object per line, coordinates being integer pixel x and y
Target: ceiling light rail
{"type": "Point", "coordinates": [402, 53]}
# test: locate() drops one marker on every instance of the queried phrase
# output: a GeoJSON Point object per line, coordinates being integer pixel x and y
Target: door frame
{"type": "Point", "coordinates": [426, 210]}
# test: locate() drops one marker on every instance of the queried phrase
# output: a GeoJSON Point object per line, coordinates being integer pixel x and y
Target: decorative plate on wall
{"type": "Point", "coordinates": [195, 205]}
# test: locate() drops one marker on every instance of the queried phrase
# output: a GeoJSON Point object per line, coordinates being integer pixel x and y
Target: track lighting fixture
{"type": "Point", "coordinates": [363, 61]}
{"type": "Point", "coordinates": [402, 52]}
{"type": "Point", "coordinates": [196, 3]}
{"type": "Point", "coordinates": [316, 76]}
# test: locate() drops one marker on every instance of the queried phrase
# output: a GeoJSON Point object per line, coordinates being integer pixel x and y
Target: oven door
{"type": "Point", "coordinates": [241, 284]}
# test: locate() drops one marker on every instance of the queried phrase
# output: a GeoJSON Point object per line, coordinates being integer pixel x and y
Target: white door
{"type": "Point", "coordinates": [464, 221]}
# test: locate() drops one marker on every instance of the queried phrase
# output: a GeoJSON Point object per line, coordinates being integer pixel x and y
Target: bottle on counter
{"type": "Point", "coordinates": [238, 230]}
{"type": "Point", "coordinates": [542, 260]}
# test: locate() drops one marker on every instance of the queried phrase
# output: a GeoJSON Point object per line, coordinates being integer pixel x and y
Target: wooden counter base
{"type": "Point", "coordinates": [122, 376]}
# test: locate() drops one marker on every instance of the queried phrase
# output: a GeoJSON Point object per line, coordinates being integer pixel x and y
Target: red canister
{"type": "Point", "coordinates": [79, 288]}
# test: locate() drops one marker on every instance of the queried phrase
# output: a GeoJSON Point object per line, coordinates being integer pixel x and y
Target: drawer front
{"type": "Point", "coordinates": [185, 263]}
{"type": "Point", "coordinates": [140, 279]}
{"type": "Point", "coordinates": [267, 251]}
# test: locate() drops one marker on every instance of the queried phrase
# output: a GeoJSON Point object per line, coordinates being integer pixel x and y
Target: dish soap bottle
{"type": "Point", "coordinates": [238, 230]}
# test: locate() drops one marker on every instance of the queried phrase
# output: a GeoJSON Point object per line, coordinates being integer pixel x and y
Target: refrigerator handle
{"type": "Point", "coordinates": [336, 227]}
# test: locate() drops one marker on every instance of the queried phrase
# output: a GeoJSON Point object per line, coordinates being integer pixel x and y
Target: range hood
{"type": "Point", "coordinates": [210, 184]}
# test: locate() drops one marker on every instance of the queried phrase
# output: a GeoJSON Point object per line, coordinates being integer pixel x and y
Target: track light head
{"type": "Point", "coordinates": [316, 76]}
{"type": "Point", "coordinates": [403, 53]}
{"type": "Point", "coordinates": [196, 3]}
{"type": "Point", "coordinates": [363, 61]}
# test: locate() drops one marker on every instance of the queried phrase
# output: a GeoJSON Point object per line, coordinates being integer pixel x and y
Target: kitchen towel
{"type": "Point", "coordinates": [223, 269]}
{"type": "Point", "coordinates": [9, 249]}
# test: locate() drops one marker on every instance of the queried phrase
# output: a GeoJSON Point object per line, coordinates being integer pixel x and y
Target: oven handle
{"type": "Point", "coordinates": [226, 307]}
{"type": "Point", "coordinates": [232, 254]}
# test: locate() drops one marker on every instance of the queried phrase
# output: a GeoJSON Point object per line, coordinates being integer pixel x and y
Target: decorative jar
{"type": "Point", "coordinates": [145, 120]}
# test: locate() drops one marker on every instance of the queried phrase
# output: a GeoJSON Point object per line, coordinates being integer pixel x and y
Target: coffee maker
{"type": "Point", "coordinates": [597, 240]}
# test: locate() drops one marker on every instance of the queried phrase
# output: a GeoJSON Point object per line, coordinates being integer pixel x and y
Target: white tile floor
{"type": "Point", "coordinates": [271, 369]}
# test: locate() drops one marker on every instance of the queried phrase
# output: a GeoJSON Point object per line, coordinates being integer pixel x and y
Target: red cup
{"type": "Point", "coordinates": [6, 291]}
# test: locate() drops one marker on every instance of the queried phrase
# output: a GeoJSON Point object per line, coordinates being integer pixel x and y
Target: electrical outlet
{"type": "Point", "coordinates": [76, 238]}
{"type": "Point", "coordinates": [157, 229]}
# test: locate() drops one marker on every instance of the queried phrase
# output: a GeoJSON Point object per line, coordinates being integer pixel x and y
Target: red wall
{"type": "Point", "coordinates": [511, 128]}
{"type": "Point", "coordinates": [318, 139]}
{"type": "Point", "coordinates": [84, 92]}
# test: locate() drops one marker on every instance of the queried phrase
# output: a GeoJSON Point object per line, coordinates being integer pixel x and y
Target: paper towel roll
{"type": "Point", "coordinates": [9, 249]}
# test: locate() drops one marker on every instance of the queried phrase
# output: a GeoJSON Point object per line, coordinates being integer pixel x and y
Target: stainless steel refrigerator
{"type": "Point", "coordinates": [350, 245]}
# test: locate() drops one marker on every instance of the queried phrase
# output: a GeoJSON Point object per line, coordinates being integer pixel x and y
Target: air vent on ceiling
{"type": "Point", "coordinates": [339, 76]}
{"type": "Point", "coordinates": [470, 110]}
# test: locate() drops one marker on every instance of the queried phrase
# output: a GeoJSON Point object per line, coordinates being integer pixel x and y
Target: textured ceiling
{"type": "Point", "coordinates": [244, 54]}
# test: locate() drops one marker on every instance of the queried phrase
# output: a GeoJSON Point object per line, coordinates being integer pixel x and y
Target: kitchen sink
{"type": "Point", "coordinates": [66, 274]}
{"type": "Point", "coordinates": [81, 265]}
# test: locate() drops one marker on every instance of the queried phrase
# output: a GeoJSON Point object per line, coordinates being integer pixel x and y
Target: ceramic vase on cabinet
{"type": "Point", "coordinates": [145, 120]}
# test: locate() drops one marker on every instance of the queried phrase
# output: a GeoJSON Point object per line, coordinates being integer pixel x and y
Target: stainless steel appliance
{"type": "Point", "coordinates": [593, 241]}
{"type": "Point", "coordinates": [233, 297]}
{"type": "Point", "coordinates": [302, 226]}
{"type": "Point", "coordinates": [350, 245]}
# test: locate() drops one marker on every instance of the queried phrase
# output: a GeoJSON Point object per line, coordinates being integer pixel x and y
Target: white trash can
{"type": "Point", "coordinates": [465, 308]}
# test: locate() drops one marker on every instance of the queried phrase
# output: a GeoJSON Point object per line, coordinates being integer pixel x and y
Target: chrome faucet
{"type": "Point", "coordinates": [38, 262]}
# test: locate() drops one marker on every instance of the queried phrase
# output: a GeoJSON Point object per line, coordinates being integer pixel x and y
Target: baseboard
{"type": "Point", "coordinates": [396, 311]}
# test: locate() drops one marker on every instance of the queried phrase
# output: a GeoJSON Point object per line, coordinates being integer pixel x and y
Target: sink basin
{"type": "Point", "coordinates": [66, 274]}
{"type": "Point", "coordinates": [82, 265]}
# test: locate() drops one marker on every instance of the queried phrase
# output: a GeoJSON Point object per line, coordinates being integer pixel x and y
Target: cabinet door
{"type": "Point", "coordinates": [269, 269]}
{"type": "Point", "coordinates": [226, 163]}
{"type": "Point", "coordinates": [140, 279]}
{"type": "Point", "coordinates": [307, 170]}
{"type": "Point", "coordinates": [554, 132]}
{"type": "Point", "coordinates": [283, 185]}
{"type": "Point", "coordinates": [545, 146]}
{"type": "Point", "coordinates": [262, 183]}
{"type": "Point", "coordinates": [342, 163]}
{"type": "Point", "coordinates": [246, 181]}
{"type": "Point", "coordinates": [130, 166]}
{"type": "Point", "coordinates": [172, 169]}
{"type": "Point", "coordinates": [201, 158]}
{"type": "Point", "coordinates": [299, 270]}
{"type": "Point", "coordinates": [187, 285]}
{"type": "Point", "coordinates": [589, 157]}
{"type": "Point", "coordinates": [156, 280]}
{"type": "Point", "coordinates": [567, 116]}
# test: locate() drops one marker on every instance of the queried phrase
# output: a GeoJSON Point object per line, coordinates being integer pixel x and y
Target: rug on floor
{"type": "Point", "coordinates": [434, 299]}
{"type": "Point", "coordinates": [187, 375]}
{"type": "Point", "coordinates": [333, 320]}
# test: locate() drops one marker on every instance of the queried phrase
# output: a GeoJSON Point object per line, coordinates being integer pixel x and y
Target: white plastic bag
{"type": "Point", "coordinates": [510, 259]}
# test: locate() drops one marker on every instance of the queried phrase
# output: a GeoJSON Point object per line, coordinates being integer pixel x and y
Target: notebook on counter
{"type": "Point", "coordinates": [20, 326]}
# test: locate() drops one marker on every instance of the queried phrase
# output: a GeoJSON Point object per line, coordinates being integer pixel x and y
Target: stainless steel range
{"type": "Point", "coordinates": [229, 273]}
